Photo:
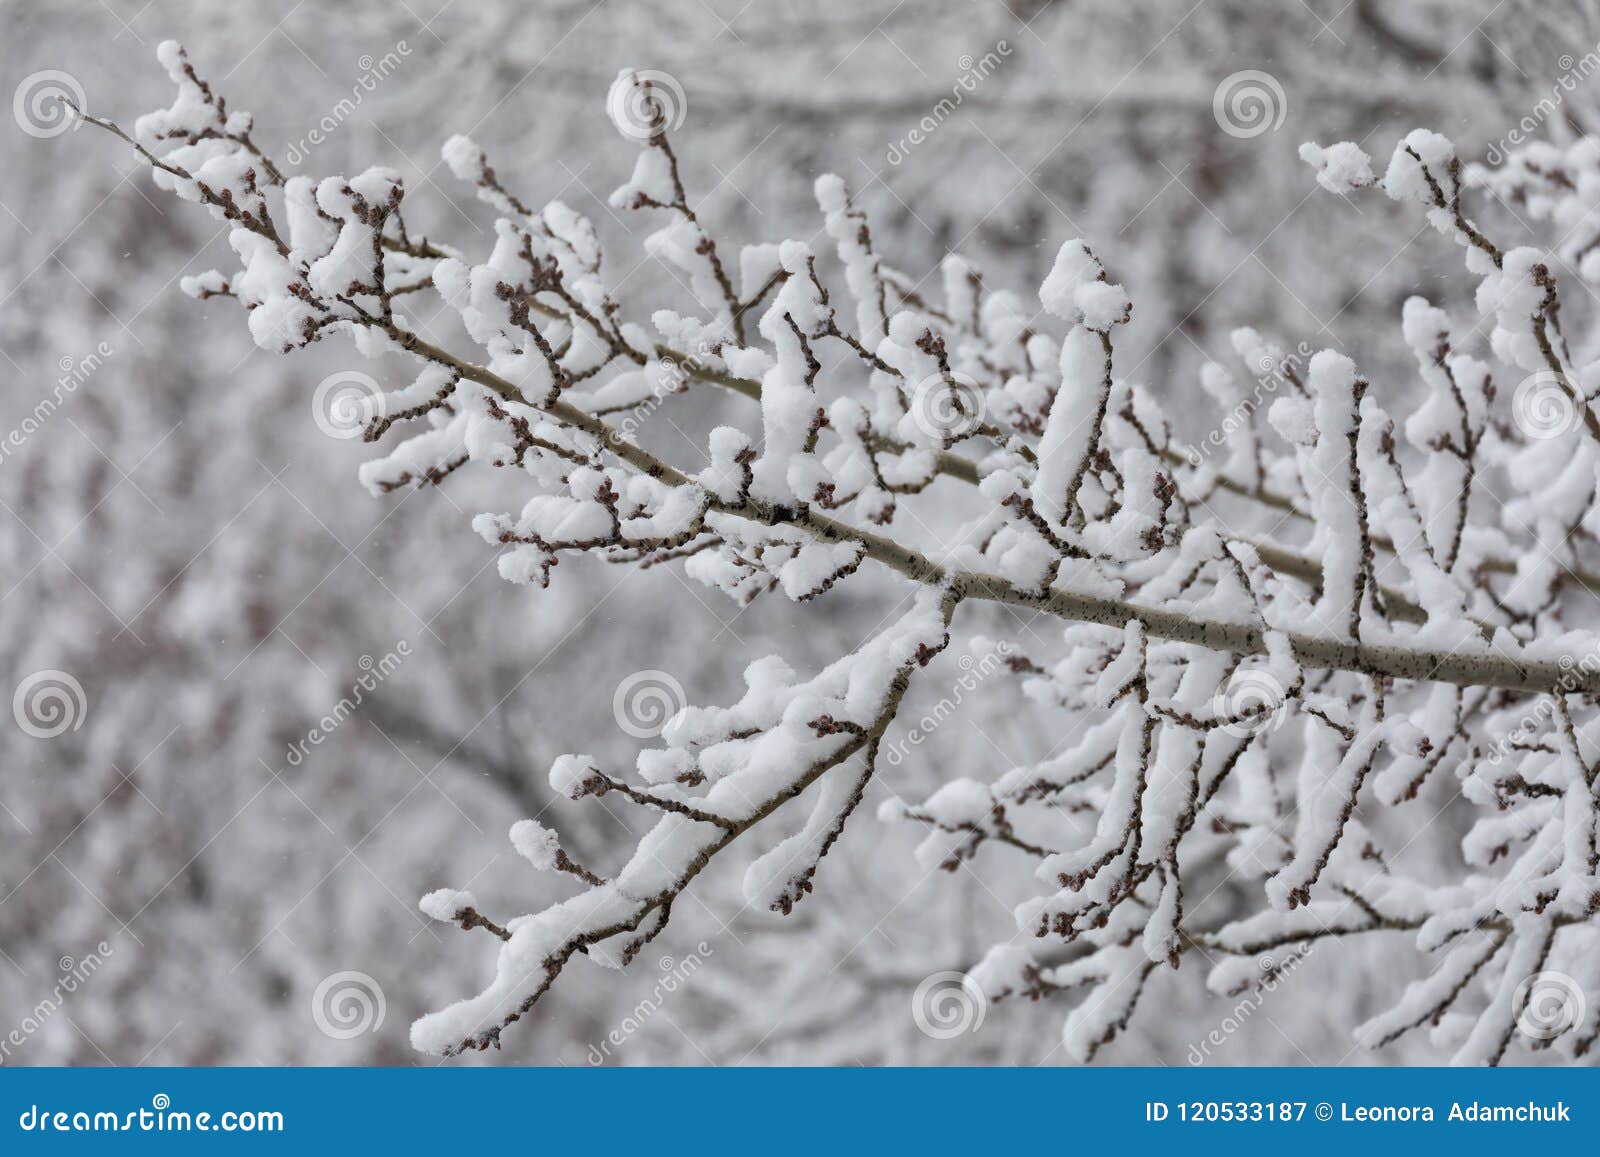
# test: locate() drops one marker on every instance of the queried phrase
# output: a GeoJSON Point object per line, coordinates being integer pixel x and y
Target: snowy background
{"type": "Point", "coordinates": [183, 542]}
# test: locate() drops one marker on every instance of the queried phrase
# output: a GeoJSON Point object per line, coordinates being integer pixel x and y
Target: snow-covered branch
{"type": "Point", "coordinates": [1229, 689]}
